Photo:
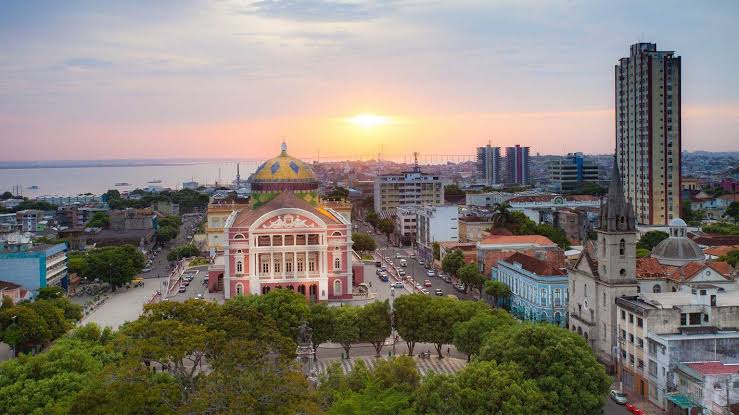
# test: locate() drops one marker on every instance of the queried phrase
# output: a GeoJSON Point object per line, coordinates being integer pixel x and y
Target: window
{"type": "Point", "coordinates": [656, 288]}
{"type": "Point", "coordinates": [313, 239]}
{"type": "Point", "coordinates": [631, 338]}
{"type": "Point", "coordinates": [263, 240]}
{"type": "Point", "coordinates": [265, 267]}
{"type": "Point", "coordinates": [289, 240]}
{"type": "Point", "coordinates": [586, 291]}
{"type": "Point", "coordinates": [300, 264]}
{"type": "Point", "coordinates": [337, 264]}
{"type": "Point", "coordinates": [543, 296]}
{"type": "Point", "coordinates": [695, 318]}
{"type": "Point", "coordinates": [239, 289]}
{"type": "Point", "coordinates": [238, 236]}
{"type": "Point", "coordinates": [557, 298]}
{"type": "Point", "coordinates": [604, 299]}
{"type": "Point", "coordinates": [337, 287]}
{"type": "Point", "coordinates": [622, 244]}
{"type": "Point", "coordinates": [683, 319]}
{"type": "Point", "coordinates": [239, 266]}
{"type": "Point", "coordinates": [639, 322]}
{"type": "Point", "coordinates": [631, 318]}
{"type": "Point", "coordinates": [623, 315]}
{"type": "Point", "coordinates": [311, 264]}
{"type": "Point", "coordinates": [289, 265]}
{"type": "Point", "coordinates": [299, 239]}
{"type": "Point", "coordinates": [277, 240]}
{"type": "Point", "coordinates": [623, 334]}
{"type": "Point", "coordinates": [277, 265]}
{"type": "Point", "coordinates": [640, 343]}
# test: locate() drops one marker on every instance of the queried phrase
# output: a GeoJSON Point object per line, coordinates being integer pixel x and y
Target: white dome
{"type": "Point", "coordinates": [678, 222]}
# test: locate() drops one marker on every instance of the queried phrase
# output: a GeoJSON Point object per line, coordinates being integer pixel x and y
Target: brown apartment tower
{"type": "Point", "coordinates": [648, 135]}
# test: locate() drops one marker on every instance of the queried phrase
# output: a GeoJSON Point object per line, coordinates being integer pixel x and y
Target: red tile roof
{"type": "Point", "coordinates": [714, 368]}
{"type": "Point", "coordinates": [550, 198]}
{"type": "Point", "coordinates": [517, 239]}
{"type": "Point", "coordinates": [7, 285]}
{"type": "Point", "coordinates": [650, 268]}
{"type": "Point", "coordinates": [723, 268]}
{"type": "Point", "coordinates": [534, 265]}
{"type": "Point", "coordinates": [720, 250]}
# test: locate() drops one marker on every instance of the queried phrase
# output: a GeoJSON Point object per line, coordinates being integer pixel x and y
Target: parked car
{"type": "Point", "coordinates": [403, 263]}
{"type": "Point", "coordinates": [430, 273]}
{"type": "Point", "coordinates": [182, 289]}
{"type": "Point", "coordinates": [418, 286]}
{"type": "Point", "coordinates": [147, 269]}
{"type": "Point", "coordinates": [426, 283]}
{"type": "Point", "coordinates": [425, 291]}
{"type": "Point", "coordinates": [398, 256]}
{"type": "Point", "coordinates": [618, 396]}
{"type": "Point", "coordinates": [397, 284]}
{"type": "Point", "coordinates": [439, 292]}
{"type": "Point", "coordinates": [401, 272]}
{"type": "Point", "coordinates": [421, 262]}
{"type": "Point", "coordinates": [200, 296]}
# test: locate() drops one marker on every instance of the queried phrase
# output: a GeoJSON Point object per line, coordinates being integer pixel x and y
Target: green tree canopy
{"type": "Point", "coordinates": [498, 290]}
{"type": "Point", "coordinates": [410, 326]}
{"type": "Point", "coordinates": [471, 277]}
{"type": "Point", "coordinates": [732, 257]}
{"type": "Point", "coordinates": [6, 196]}
{"type": "Point", "coordinates": [572, 381]}
{"type": "Point", "coordinates": [386, 226]}
{"type": "Point", "coordinates": [363, 242]}
{"type": "Point", "coordinates": [723, 228]}
{"type": "Point", "coordinates": [374, 324]}
{"type": "Point", "coordinates": [732, 212]}
{"type": "Point", "coordinates": [116, 265]}
{"type": "Point", "coordinates": [372, 219]}
{"type": "Point", "coordinates": [651, 239]}
{"type": "Point", "coordinates": [469, 335]}
{"type": "Point", "coordinates": [166, 234]}
{"type": "Point", "coordinates": [437, 250]}
{"type": "Point", "coordinates": [346, 328]}
{"type": "Point", "coordinates": [98, 220]}
{"type": "Point", "coordinates": [453, 261]}
{"type": "Point", "coordinates": [183, 251]}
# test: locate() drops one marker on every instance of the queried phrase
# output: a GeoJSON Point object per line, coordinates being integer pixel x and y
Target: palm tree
{"type": "Point", "coordinates": [501, 214]}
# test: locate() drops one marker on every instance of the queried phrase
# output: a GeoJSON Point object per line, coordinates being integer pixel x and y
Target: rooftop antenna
{"type": "Point", "coordinates": [415, 162]}
{"type": "Point", "coordinates": [238, 176]}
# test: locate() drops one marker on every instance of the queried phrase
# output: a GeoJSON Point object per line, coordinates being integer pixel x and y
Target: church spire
{"type": "Point", "coordinates": [618, 215]}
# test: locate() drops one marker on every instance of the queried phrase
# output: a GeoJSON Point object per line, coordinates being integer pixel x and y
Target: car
{"type": "Point", "coordinates": [430, 273]}
{"type": "Point", "coordinates": [401, 272]}
{"type": "Point", "coordinates": [378, 272]}
{"type": "Point", "coordinates": [390, 262]}
{"type": "Point", "coordinates": [182, 289]}
{"type": "Point", "coordinates": [147, 269]}
{"type": "Point", "coordinates": [403, 263]}
{"type": "Point", "coordinates": [397, 284]}
{"type": "Point", "coordinates": [200, 296]}
{"type": "Point", "coordinates": [186, 283]}
{"type": "Point", "coordinates": [387, 258]}
{"type": "Point", "coordinates": [439, 292]}
{"type": "Point", "coordinates": [426, 283]}
{"type": "Point", "coordinates": [618, 396]}
{"type": "Point", "coordinates": [447, 279]}
{"type": "Point", "coordinates": [418, 286]}
{"type": "Point", "coordinates": [425, 291]}
{"type": "Point", "coordinates": [398, 256]}
{"type": "Point", "coordinates": [421, 262]}
{"type": "Point", "coordinates": [412, 255]}
{"type": "Point", "coordinates": [378, 264]}
{"type": "Point", "coordinates": [383, 268]}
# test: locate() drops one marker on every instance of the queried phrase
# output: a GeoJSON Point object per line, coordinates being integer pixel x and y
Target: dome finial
{"type": "Point", "coordinates": [283, 147]}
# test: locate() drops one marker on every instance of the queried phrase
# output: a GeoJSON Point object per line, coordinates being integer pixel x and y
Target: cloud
{"type": "Point", "coordinates": [318, 10]}
{"type": "Point", "coordinates": [86, 63]}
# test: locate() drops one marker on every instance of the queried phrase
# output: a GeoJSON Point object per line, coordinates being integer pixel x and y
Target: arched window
{"type": "Point", "coordinates": [557, 318]}
{"type": "Point", "coordinates": [585, 292]}
{"type": "Point", "coordinates": [336, 234]}
{"type": "Point", "coordinates": [300, 264]}
{"type": "Point", "coordinates": [277, 265]}
{"type": "Point", "coordinates": [656, 288]}
{"type": "Point", "coordinates": [238, 236]}
{"type": "Point", "coordinates": [622, 247]}
{"type": "Point", "coordinates": [622, 272]}
{"type": "Point", "coordinates": [337, 287]}
{"type": "Point", "coordinates": [604, 299]}
{"type": "Point", "coordinates": [337, 264]}
{"type": "Point", "coordinates": [239, 289]}
{"type": "Point", "coordinates": [239, 266]}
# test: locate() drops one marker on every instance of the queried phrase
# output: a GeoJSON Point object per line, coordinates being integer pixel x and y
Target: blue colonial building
{"type": "Point", "coordinates": [538, 290]}
{"type": "Point", "coordinates": [34, 266]}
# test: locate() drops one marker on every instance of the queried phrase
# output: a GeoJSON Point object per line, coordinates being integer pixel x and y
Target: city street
{"type": "Point", "coordinates": [414, 270]}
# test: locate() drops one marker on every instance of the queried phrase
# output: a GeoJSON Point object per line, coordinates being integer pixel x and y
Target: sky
{"type": "Point", "coordinates": [233, 78]}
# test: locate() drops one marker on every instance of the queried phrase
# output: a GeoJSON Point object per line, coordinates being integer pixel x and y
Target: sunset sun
{"type": "Point", "coordinates": [368, 120]}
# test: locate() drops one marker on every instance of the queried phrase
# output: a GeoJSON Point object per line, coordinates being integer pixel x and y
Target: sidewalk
{"type": "Point", "coordinates": [640, 402]}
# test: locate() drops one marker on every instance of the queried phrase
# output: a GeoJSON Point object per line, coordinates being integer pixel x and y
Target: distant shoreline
{"type": "Point", "coordinates": [76, 164]}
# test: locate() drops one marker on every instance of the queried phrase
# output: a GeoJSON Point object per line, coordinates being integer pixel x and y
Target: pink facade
{"type": "Point", "coordinates": [305, 250]}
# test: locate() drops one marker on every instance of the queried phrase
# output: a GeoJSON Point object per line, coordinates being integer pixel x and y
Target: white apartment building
{"type": "Point", "coordinates": [435, 224]}
{"type": "Point", "coordinates": [407, 188]}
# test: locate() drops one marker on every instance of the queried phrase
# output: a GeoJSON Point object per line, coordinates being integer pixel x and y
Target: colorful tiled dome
{"type": "Point", "coordinates": [284, 172]}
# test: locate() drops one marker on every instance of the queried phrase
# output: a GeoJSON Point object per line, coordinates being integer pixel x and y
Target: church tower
{"type": "Point", "coordinates": [616, 250]}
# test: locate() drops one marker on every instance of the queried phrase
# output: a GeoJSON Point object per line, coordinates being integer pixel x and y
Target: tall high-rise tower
{"type": "Point", "coordinates": [488, 164]}
{"type": "Point", "coordinates": [647, 99]}
{"type": "Point", "coordinates": [517, 165]}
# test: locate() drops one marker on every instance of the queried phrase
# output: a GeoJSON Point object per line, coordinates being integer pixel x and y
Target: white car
{"type": "Point", "coordinates": [618, 396]}
{"type": "Point", "coordinates": [397, 284]}
{"type": "Point", "coordinates": [398, 255]}
{"type": "Point", "coordinates": [430, 273]}
{"type": "Point", "coordinates": [418, 286]}
{"type": "Point", "coordinates": [401, 272]}
{"type": "Point", "coordinates": [147, 269]}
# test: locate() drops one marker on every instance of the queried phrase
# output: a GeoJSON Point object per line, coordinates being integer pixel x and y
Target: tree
{"type": "Point", "coordinates": [723, 228]}
{"type": "Point", "coordinates": [321, 319]}
{"type": "Point", "coordinates": [453, 261]}
{"type": "Point", "coordinates": [471, 277]}
{"type": "Point", "coordinates": [732, 257]}
{"type": "Point", "coordinates": [409, 315]}
{"type": "Point", "coordinates": [363, 242]}
{"type": "Point", "coordinates": [374, 324]}
{"type": "Point", "coordinates": [338, 193]}
{"type": "Point", "coordinates": [591, 188]}
{"type": "Point", "coordinates": [651, 239]}
{"type": "Point", "coordinates": [733, 212]}
{"type": "Point", "coordinates": [572, 381]}
{"type": "Point", "coordinates": [166, 234]}
{"type": "Point", "coordinates": [372, 219]}
{"type": "Point", "coordinates": [346, 329]}
{"type": "Point", "coordinates": [498, 290]}
{"type": "Point", "coordinates": [76, 263]}
{"type": "Point", "coordinates": [690, 216]}
{"type": "Point", "coordinates": [453, 190]}
{"type": "Point", "coordinates": [481, 388]}
{"type": "Point", "coordinates": [386, 226]}
{"type": "Point", "coordinates": [469, 335]}
{"type": "Point", "coordinates": [183, 251]}
{"type": "Point", "coordinates": [642, 253]}
{"type": "Point", "coordinates": [437, 250]}
{"type": "Point", "coordinates": [23, 328]}
{"type": "Point", "coordinates": [98, 220]}
{"type": "Point", "coordinates": [116, 265]}
{"type": "Point", "coordinates": [6, 196]}
{"type": "Point", "coordinates": [441, 314]}
{"type": "Point", "coordinates": [501, 214]}
{"type": "Point", "coordinates": [170, 221]}
{"type": "Point", "coordinates": [286, 308]}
